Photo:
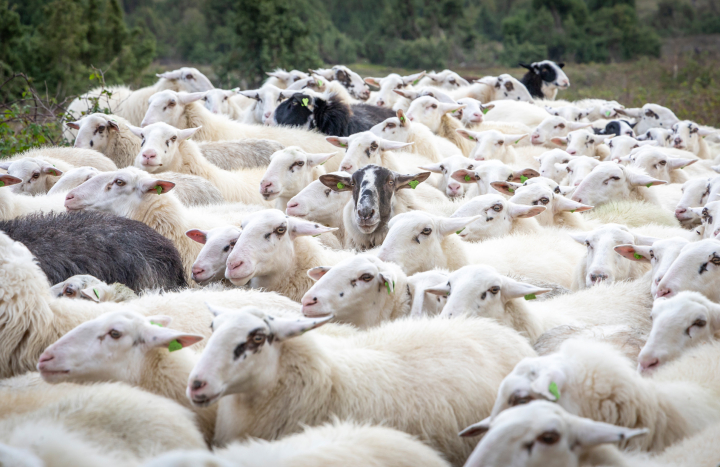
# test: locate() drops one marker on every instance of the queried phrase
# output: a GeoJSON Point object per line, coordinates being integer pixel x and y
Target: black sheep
{"type": "Point", "coordinates": [331, 116]}
{"type": "Point", "coordinates": [547, 73]}
{"type": "Point", "coordinates": [617, 128]}
{"type": "Point", "coordinates": [111, 248]}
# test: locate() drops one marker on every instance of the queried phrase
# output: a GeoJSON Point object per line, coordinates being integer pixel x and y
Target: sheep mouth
{"type": "Point", "coordinates": [269, 196]}
{"type": "Point", "coordinates": [201, 400]}
{"type": "Point", "coordinates": [51, 375]}
{"type": "Point", "coordinates": [315, 313]}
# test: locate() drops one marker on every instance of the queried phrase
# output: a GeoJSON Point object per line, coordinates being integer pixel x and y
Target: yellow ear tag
{"type": "Point", "coordinates": [413, 184]}
{"type": "Point", "coordinates": [158, 188]}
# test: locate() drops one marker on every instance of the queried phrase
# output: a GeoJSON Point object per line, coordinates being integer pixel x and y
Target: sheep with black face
{"type": "Point", "coordinates": [545, 78]}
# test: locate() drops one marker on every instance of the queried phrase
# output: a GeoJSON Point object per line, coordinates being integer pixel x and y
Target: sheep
{"type": "Point", "coordinates": [335, 444]}
{"type": "Point", "coordinates": [577, 169]}
{"type": "Point", "coordinates": [472, 114]}
{"type": "Point", "coordinates": [37, 176]}
{"type": "Point", "coordinates": [133, 193]}
{"type": "Point", "coordinates": [486, 172]}
{"type": "Point", "coordinates": [687, 135]}
{"type": "Point", "coordinates": [123, 250]}
{"type": "Point", "coordinates": [32, 319]}
{"type": "Point", "coordinates": [87, 287]}
{"type": "Point", "coordinates": [434, 114]}
{"type": "Point", "coordinates": [136, 353]}
{"type": "Point", "coordinates": [569, 112]}
{"type": "Point", "coordinates": [111, 135]}
{"type": "Point", "coordinates": [662, 136]}
{"type": "Point", "coordinates": [72, 178]}
{"type": "Point", "coordinates": [424, 304]}
{"type": "Point", "coordinates": [554, 127]}
{"type": "Point", "coordinates": [14, 205]}
{"type": "Point", "coordinates": [446, 167]}
{"type": "Point", "coordinates": [496, 88]}
{"type": "Point", "coordinates": [679, 323]}
{"type": "Point", "coordinates": [610, 181]}
{"type": "Point", "coordinates": [616, 127]}
{"type": "Point", "coordinates": [693, 269]}
{"type": "Point", "coordinates": [167, 149]}
{"type": "Point", "coordinates": [621, 146]}
{"type": "Point", "coordinates": [266, 100]}
{"type": "Point", "coordinates": [132, 105]}
{"type": "Point", "coordinates": [695, 192]}
{"type": "Point", "coordinates": [506, 218]}
{"type": "Point", "coordinates": [592, 379]}
{"type": "Point", "coordinates": [127, 423]}
{"type": "Point", "coordinates": [418, 241]}
{"type": "Point", "coordinates": [270, 253]}
{"type": "Point", "coordinates": [318, 203]}
{"type": "Point", "coordinates": [181, 111]}
{"type": "Point", "coordinates": [282, 79]}
{"type": "Point", "coordinates": [217, 244]}
{"type": "Point", "coordinates": [552, 164]}
{"type": "Point", "coordinates": [328, 115]}
{"type": "Point", "coordinates": [339, 379]}
{"type": "Point", "coordinates": [386, 97]}
{"type": "Point", "coordinates": [517, 112]}
{"type": "Point", "coordinates": [446, 79]}
{"type": "Point", "coordinates": [66, 158]}
{"type": "Point", "coordinates": [492, 144]}
{"type": "Point", "coordinates": [658, 164]}
{"type": "Point", "coordinates": [480, 291]}
{"type": "Point", "coordinates": [709, 216]}
{"type": "Point", "coordinates": [355, 85]}
{"type": "Point", "coordinates": [585, 143]}
{"type": "Point", "coordinates": [376, 199]}
{"type": "Point", "coordinates": [650, 116]}
{"type": "Point", "coordinates": [227, 102]}
{"type": "Point", "coordinates": [544, 79]}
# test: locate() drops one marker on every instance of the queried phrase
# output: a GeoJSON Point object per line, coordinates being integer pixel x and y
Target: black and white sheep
{"type": "Point", "coordinates": [543, 79]}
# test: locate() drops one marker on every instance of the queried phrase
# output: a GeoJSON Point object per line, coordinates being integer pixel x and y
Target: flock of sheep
{"type": "Point", "coordinates": [314, 274]}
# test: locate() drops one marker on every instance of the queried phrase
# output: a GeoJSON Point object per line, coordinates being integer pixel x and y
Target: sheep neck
{"type": "Point", "coordinates": [521, 318]}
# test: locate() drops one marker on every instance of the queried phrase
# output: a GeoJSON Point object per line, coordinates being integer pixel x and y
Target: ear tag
{"type": "Point", "coordinates": [319, 83]}
{"type": "Point", "coordinates": [158, 188]}
{"type": "Point", "coordinates": [343, 145]}
{"type": "Point", "coordinates": [174, 345]}
{"type": "Point", "coordinates": [471, 138]}
{"type": "Point", "coordinates": [96, 294]}
{"type": "Point", "coordinates": [416, 82]}
{"type": "Point", "coordinates": [402, 119]}
{"type": "Point", "coordinates": [523, 178]}
{"type": "Point", "coordinates": [305, 101]}
{"type": "Point", "coordinates": [452, 112]}
{"type": "Point", "coordinates": [637, 256]}
{"type": "Point", "coordinates": [458, 232]}
{"type": "Point", "coordinates": [530, 296]}
{"type": "Point", "coordinates": [572, 211]}
{"type": "Point", "coordinates": [467, 178]}
{"type": "Point", "coordinates": [511, 190]}
{"type": "Point", "coordinates": [387, 286]}
{"type": "Point", "coordinates": [607, 113]}
{"type": "Point", "coordinates": [553, 389]}
{"type": "Point", "coordinates": [516, 142]}
{"type": "Point", "coordinates": [485, 110]}
{"type": "Point", "coordinates": [413, 184]}
{"type": "Point", "coordinates": [649, 185]}
{"type": "Point", "coordinates": [340, 186]}
{"type": "Point", "coordinates": [156, 324]}
{"type": "Point", "coordinates": [2, 183]}
{"type": "Point", "coordinates": [53, 173]}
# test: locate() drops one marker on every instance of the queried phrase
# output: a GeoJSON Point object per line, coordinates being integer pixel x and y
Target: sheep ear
{"type": "Point", "coordinates": [434, 168]}
{"type": "Point", "coordinates": [577, 125]}
{"type": "Point", "coordinates": [525, 65]}
{"type": "Point", "coordinates": [412, 95]}
{"type": "Point", "coordinates": [590, 433]}
{"type": "Point", "coordinates": [339, 141]}
{"type": "Point", "coordinates": [679, 162]}
{"type": "Point", "coordinates": [526, 173]}
{"type": "Point", "coordinates": [279, 74]}
{"type": "Point", "coordinates": [187, 133]}
{"type": "Point", "coordinates": [549, 383]}
{"type": "Point", "coordinates": [634, 113]}
{"type": "Point", "coordinates": [451, 108]}
{"type": "Point", "coordinates": [578, 237]}
{"type": "Point", "coordinates": [174, 74]}
{"type": "Point", "coordinates": [465, 176]}
{"type": "Point", "coordinates": [550, 110]}
{"type": "Point", "coordinates": [641, 179]}
{"type": "Point", "coordinates": [188, 97]}
{"type": "Point", "coordinates": [561, 140]}
{"type": "Point", "coordinates": [471, 135]}
{"type": "Point", "coordinates": [5, 165]}
{"type": "Point", "coordinates": [387, 145]}
{"type": "Point", "coordinates": [137, 131]}
{"type": "Point", "coordinates": [401, 116]}
{"type": "Point", "coordinates": [326, 73]}
{"type": "Point", "coordinates": [409, 180]}
{"type": "Point", "coordinates": [599, 139]}
{"type": "Point", "coordinates": [706, 131]}
{"type": "Point", "coordinates": [317, 272]}
{"type": "Point", "coordinates": [336, 182]}
{"type": "Point", "coordinates": [560, 167]}
{"type": "Point", "coordinates": [387, 278]}
{"type": "Point", "coordinates": [506, 188]}
{"type": "Point", "coordinates": [413, 79]}
{"type": "Point", "coordinates": [440, 289]}
{"type": "Point", "coordinates": [52, 171]}
{"type": "Point", "coordinates": [451, 225]}
{"type": "Point", "coordinates": [253, 94]}
{"type": "Point", "coordinates": [96, 294]}
{"type": "Point", "coordinates": [514, 289]}
{"type": "Point", "coordinates": [476, 429]}
{"type": "Point", "coordinates": [157, 186]}
{"type": "Point", "coordinates": [373, 81]}
{"type": "Point", "coordinates": [7, 180]}
{"type": "Point", "coordinates": [112, 125]}
{"type": "Point", "coordinates": [198, 235]}
{"type": "Point", "coordinates": [73, 125]}
{"type": "Point", "coordinates": [523, 211]}
{"type": "Point", "coordinates": [561, 203]}
{"type": "Point", "coordinates": [566, 190]}
{"type": "Point", "coordinates": [318, 159]}
{"type": "Point", "coordinates": [282, 328]}
{"type": "Point", "coordinates": [514, 139]}
{"type": "Point", "coordinates": [300, 228]}
{"type": "Point", "coordinates": [634, 252]}
{"type": "Point", "coordinates": [157, 335]}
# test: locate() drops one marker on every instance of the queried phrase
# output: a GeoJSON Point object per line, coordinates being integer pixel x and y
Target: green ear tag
{"type": "Point", "coordinates": [402, 119]}
{"type": "Point", "coordinates": [343, 145]}
{"type": "Point", "coordinates": [319, 83]}
{"type": "Point", "coordinates": [53, 173]}
{"type": "Point", "coordinates": [340, 186]}
{"type": "Point", "coordinates": [530, 296]}
{"type": "Point", "coordinates": [158, 188]}
{"type": "Point", "coordinates": [649, 185]}
{"type": "Point", "coordinates": [607, 113]}
{"type": "Point", "coordinates": [467, 178]}
{"type": "Point", "coordinates": [305, 101]}
{"type": "Point", "coordinates": [96, 294]}
{"type": "Point", "coordinates": [573, 211]}
{"type": "Point", "coordinates": [416, 82]}
{"type": "Point", "coordinates": [516, 142]}
{"type": "Point", "coordinates": [413, 184]}
{"type": "Point", "coordinates": [458, 232]}
{"type": "Point", "coordinates": [523, 178]}
{"type": "Point", "coordinates": [485, 110]}
{"type": "Point", "coordinates": [174, 345]}
{"type": "Point", "coordinates": [637, 256]}
{"type": "Point", "coordinates": [471, 138]}
{"type": "Point", "coordinates": [554, 390]}
{"type": "Point", "coordinates": [156, 324]}
{"type": "Point", "coordinates": [511, 190]}
{"type": "Point", "coordinates": [2, 183]}
{"type": "Point", "coordinates": [388, 287]}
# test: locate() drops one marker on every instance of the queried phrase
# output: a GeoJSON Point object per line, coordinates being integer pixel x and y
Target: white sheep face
{"type": "Point", "coordinates": [506, 87]}
{"type": "Point", "coordinates": [37, 175]}
{"type": "Point", "coordinates": [547, 164]}
{"type": "Point", "coordinates": [497, 215]}
{"type": "Point", "coordinates": [73, 178]}
{"type": "Point", "coordinates": [355, 85]}
{"type": "Point", "coordinates": [651, 116]}
{"type": "Point", "coordinates": [266, 246]}
{"type": "Point", "coordinates": [695, 193]}
{"type": "Point", "coordinates": [318, 203]}
{"type": "Point", "coordinates": [217, 101]}
{"type": "Point", "coordinates": [286, 78]}
{"type": "Point", "coordinates": [168, 107]}
{"type": "Point", "coordinates": [491, 144]}
{"type": "Point", "coordinates": [679, 323]}
{"type": "Point", "coordinates": [415, 239]}
{"type": "Point", "coordinates": [396, 129]}
{"type": "Point", "coordinates": [94, 132]}
{"type": "Point", "coordinates": [267, 98]}
{"type": "Point", "coordinates": [661, 255]}
{"type": "Point", "coordinates": [696, 268]}
{"type": "Point", "coordinates": [685, 135]}
{"type": "Point", "coordinates": [490, 171]}
{"type": "Point", "coordinates": [569, 112]}
{"type": "Point", "coordinates": [110, 347]}
{"type": "Point", "coordinates": [429, 111]}
{"type": "Point", "coordinates": [160, 147]}
{"type": "Point", "coordinates": [657, 163]}
{"type": "Point", "coordinates": [447, 79]}
{"type": "Point", "coordinates": [473, 113]}
{"type": "Point", "coordinates": [581, 142]}
{"type": "Point", "coordinates": [242, 353]}
{"type": "Point", "coordinates": [540, 434]}
{"type": "Point", "coordinates": [661, 136]}
{"type": "Point", "coordinates": [71, 287]}
{"type": "Point", "coordinates": [541, 194]}
{"type": "Point", "coordinates": [611, 182]}
{"type": "Point", "coordinates": [188, 79]}
{"type": "Point", "coordinates": [710, 219]}
{"type": "Point", "coordinates": [290, 170]}
{"type": "Point", "coordinates": [217, 245]}
{"type": "Point", "coordinates": [363, 149]}
{"type": "Point", "coordinates": [554, 127]}
{"type": "Point", "coordinates": [386, 97]}
{"type": "Point", "coordinates": [448, 166]}
{"type": "Point", "coordinates": [424, 303]}
{"type": "Point", "coordinates": [119, 192]}
{"type": "Point", "coordinates": [577, 169]}
{"type": "Point", "coordinates": [621, 146]}
{"type": "Point", "coordinates": [353, 290]}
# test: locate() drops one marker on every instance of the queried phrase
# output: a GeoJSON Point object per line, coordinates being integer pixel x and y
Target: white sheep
{"type": "Point", "coordinates": [553, 127]}
{"type": "Point", "coordinates": [694, 193]}
{"type": "Point", "coordinates": [182, 111]}
{"type": "Point", "coordinates": [33, 319]}
{"type": "Point", "coordinates": [65, 158]}
{"type": "Point", "coordinates": [621, 146]}
{"type": "Point", "coordinates": [577, 169]}
{"type": "Point", "coordinates": [354, 84]}
{"type": "Point", "coordinates": [385, 97]}
{"type": "Point", "coordinates": [37, 175]}
{"type": "Point", "coordinates": [486, 172]}
{"type": "Point", "coordinates": [688, 136]}
{"type": "Point", "coordinates": [472, 114]}
{"type": "Point", "coordinates": [499, 217]}
{"type": "Point", "coordinates": [217, 245]}
{"type": "Point", "coordinates": [447, 167]}
{"type": "Point", "coordinates": [272, 254]}
{"type": "Point", "coordinates": [73, 178]}
{"type": "Point", "coordinates": [612, 182]}
{"type": "Point", "coordinates": [592, 379]}
{"type": "Point", "coordinates": [14, 205]}
{"type": "Point", "coordinates": [282, 79]}
{"type": "Point", "coordinates": [709, 217]}
{"type": "Point", "coordinates": [336, 444]}
{"type": "Point", "coordinates": [650, 116]}
{"type": "Point", "coordinates": [585, 143]}
{"type": "Point", "coordinates": [434, 114]}
{"type": "Point", "coordinates": [516, 112]}
{"type": "Point", "coordinates": [657, 163]}
{"type": "Point", "coordinates": [495, 88]}
{"type": "Point", "coordinates": [570, 113]}
{"type": "Point", "coordinates": [266, 100]}
{"type": "Point", "coordinates": [263, 368]}
{"type": "Point", "coordinates": [695, 268]}
{"type": "Point", "coordinates": [661, 254]}
{"type": "Point", "coordinates": [663, 137]}
{"type": "Point", "coordinates": [552, 164]}
{"type": "Point", "coordinates": [227, 102]}
{"type": "Point", "coordinates": [446, 79]}
{"type": "Point", "coordinates": [87, 287]}
{"type": "Point", "coordinates": [423, 303]}
{"type": "Point", "coordinates": [492, 144]}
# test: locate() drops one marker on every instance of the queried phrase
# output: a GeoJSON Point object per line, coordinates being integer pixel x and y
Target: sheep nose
{"type": "Point", "coordinates": [196, 271]}
{"type": "Point", "coordinates": [577, 183]}
{"type": "Point", "coordinates": [149, 154]}
{"type": "Point", "coordinates": [380, 103]}
{"type": "Point", "coordinates": [265, 186]}
{"type": "Point", "coordinates": [197, 384]}
{"type": "Point", "coordinates": [46, 357]}
{"type": "Point", "coordinates": [346, 167]}
{"type": "Point", "coordinates": [235, 265]}
{"type": "Point", "coordinates": [679, 212]}
{"type": "Point", "coordinates": [648, 364]}
{"type": "Point", "coordinates": [307, 301]}
{"type": "Point", "coordinates": [293, 205]}
{"type": "Point", "coordinates": [454, 188]}
{"type": "Point", "coordinates": [572, 152]}
{"type": "Point", "coordinates": [596, 278]}
{"type": "Point", "coordinates": [366, 213]}
{"type": "Point", "coordinates": [678, 141]}
{"type": "Point", "coordinates": [69, 197]}
{"type": "Point", "coordinates": [662, 293]}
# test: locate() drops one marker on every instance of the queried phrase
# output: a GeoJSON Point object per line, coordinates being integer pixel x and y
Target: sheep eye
{"type": "Point", "coordinates": [173, 139]}
{"type": "Point", "coordinates": [259, 339]}
{"type": "Point", "coordinates": [390, 125]}
{"type": "Point", "coordinates": [587, 244]}
{"type": "Point", "coordinates": [226, 249]}
{"type": "Point", "coordinates": [500, 143]}
{"type": "Point", "coordinates": [470, 167]}
{"type": "Point", "coordinates": [652, 255]}
{"type": "Point", "coordinates": [225, 98]}
{"type": "Point", "coordinates": [280, 230]}
{"type": "Point", "coordinates": [391, 182]}
{"type": "Point", "coordinates": [69, 292]}
{"type": "Point", "coordinates": [663, 162]}
{"type": "Point", "coordinates": [189, 76]}
{"type": "Point", "coordinates": [171, 104]}
{"type": "Point", "coordinates": [549, 437]}
{"type": "Point", "coordinates": [510, 177]}
{"type": "Point", "coordinates": [205, 98]}
{"type": "Point", "coordinates": [715, 260]}
{"type": "Point", "coordinates": [426, 231]}
{"type": "Point", "coordinates": [568, 169]}
{"type": "Point", "coordinates": [557, 189]}
{"type": "Point", "coordinates": [366, 277]}
{"type": "Point", "coordinates": [700, 323]}
{"type": "Point", "coordinates": [36, 175]}
{"type": "Point", "coordinates": [494, 289]}
{"type": "Point", "coordinates": [327, 193]}
{"type": "Point", "coordinates": [119, 182]}
{"type": "Point", "coordinates": [434, 106]}
{"type": "Point", "coordinates": [115, 334]}
{"type": "Point", "coordinates": [497, 208]}
{"type": "Point", "coordinates": [544, 200]}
